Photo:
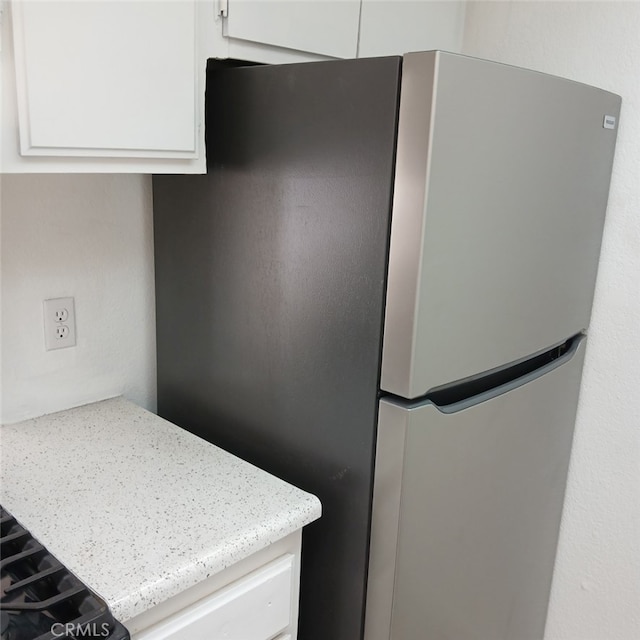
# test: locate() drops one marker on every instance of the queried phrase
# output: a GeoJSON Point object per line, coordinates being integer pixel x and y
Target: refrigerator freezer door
{"type": "Point", "coordinates": [501, 186]}
{"type": "Point", "coordinates": [467, 508]}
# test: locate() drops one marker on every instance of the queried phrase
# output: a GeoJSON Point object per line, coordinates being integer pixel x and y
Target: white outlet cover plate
{"type": "Point", "coordinates": [54, 309]}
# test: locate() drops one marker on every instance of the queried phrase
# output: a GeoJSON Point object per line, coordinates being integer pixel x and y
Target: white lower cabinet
{"type": "Point", "coordinates": [256, 607]}
{"type": "Point", "coordinates": [254, 599]}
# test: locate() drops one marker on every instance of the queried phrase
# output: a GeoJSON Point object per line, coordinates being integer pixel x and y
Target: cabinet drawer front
{"type": "Point", "coordinates": [255, 607]}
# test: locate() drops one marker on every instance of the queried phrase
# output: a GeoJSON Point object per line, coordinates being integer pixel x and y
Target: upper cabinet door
{"type": "Point", "coordinates": [107, 79]}
{"type": "Point", "coordinates": [326, 27]}
{"type": "Point", "coordinates": [396, 27]}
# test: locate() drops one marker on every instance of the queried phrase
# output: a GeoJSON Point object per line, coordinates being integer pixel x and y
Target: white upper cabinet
{"type": "Point", "coordinates": [96, 77]}
{"type": "Point", "coordinates": [325, 27]}
{"type": "Point", "coordinates": [119, 85]}
{"type": "Point", "coordinates": [395, 27]}
{"type": "Point", "coordinates": [103, 85]}
{"type": "Point", "coordinates": [296, 30]}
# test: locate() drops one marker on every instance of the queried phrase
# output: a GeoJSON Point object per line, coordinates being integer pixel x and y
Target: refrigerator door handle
{"type": "Point", "coordinates": [468, 393]}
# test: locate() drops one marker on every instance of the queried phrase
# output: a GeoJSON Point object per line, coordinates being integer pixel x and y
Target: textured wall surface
{"type": "Point", "coordinates": [596, 590]}
{"type": "Point", "coordinates": [90, 237]}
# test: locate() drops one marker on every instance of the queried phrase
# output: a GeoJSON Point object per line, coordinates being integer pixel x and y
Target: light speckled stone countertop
{"type": "Point", "coordinates": [136, 507]}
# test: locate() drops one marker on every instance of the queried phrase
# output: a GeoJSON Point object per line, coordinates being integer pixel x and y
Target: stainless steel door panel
{"type": "Point", "coordinates": [501, 186]}
{"type": "Point", "coordinates": [467, 510]}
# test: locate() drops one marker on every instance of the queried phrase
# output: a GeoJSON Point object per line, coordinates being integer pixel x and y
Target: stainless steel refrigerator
{"type": "Point", "coordinates": [380, 292]}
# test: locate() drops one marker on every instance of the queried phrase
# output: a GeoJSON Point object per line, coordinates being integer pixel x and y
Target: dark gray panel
{"type": "Point", "coordinates": [270, 278]}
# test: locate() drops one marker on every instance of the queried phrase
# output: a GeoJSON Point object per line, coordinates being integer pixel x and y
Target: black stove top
{"type": "Point", "coordinates": [40, 599]}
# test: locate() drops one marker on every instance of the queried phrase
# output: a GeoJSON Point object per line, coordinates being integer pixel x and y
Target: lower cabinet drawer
{"type": "Point", "coordinates": [256, 607]}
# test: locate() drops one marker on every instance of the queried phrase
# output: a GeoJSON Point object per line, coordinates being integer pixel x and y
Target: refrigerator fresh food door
{"type": "Point", "coordinates": [501, 186]}
{"type": "Point", "coordinates": [467, 506]}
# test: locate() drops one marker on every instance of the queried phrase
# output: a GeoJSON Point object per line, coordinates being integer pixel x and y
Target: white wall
{"type": "Point", "coordinates": [90, 237]}
{"type": "Point", "coordinates": [596, 590]}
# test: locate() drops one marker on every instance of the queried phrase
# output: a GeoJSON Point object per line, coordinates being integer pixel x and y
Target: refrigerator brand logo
{"type": "Point", "coordinates": [609, 122]}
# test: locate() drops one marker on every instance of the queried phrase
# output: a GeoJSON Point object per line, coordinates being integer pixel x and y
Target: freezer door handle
{"type": "Point", "coordinates": [472, 391]}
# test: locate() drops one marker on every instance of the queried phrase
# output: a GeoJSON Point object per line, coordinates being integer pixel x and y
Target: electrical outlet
{"type": "Point", "coordinates": [59, 323]}
{"type": "Point", "coordinates": [62, 332]}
